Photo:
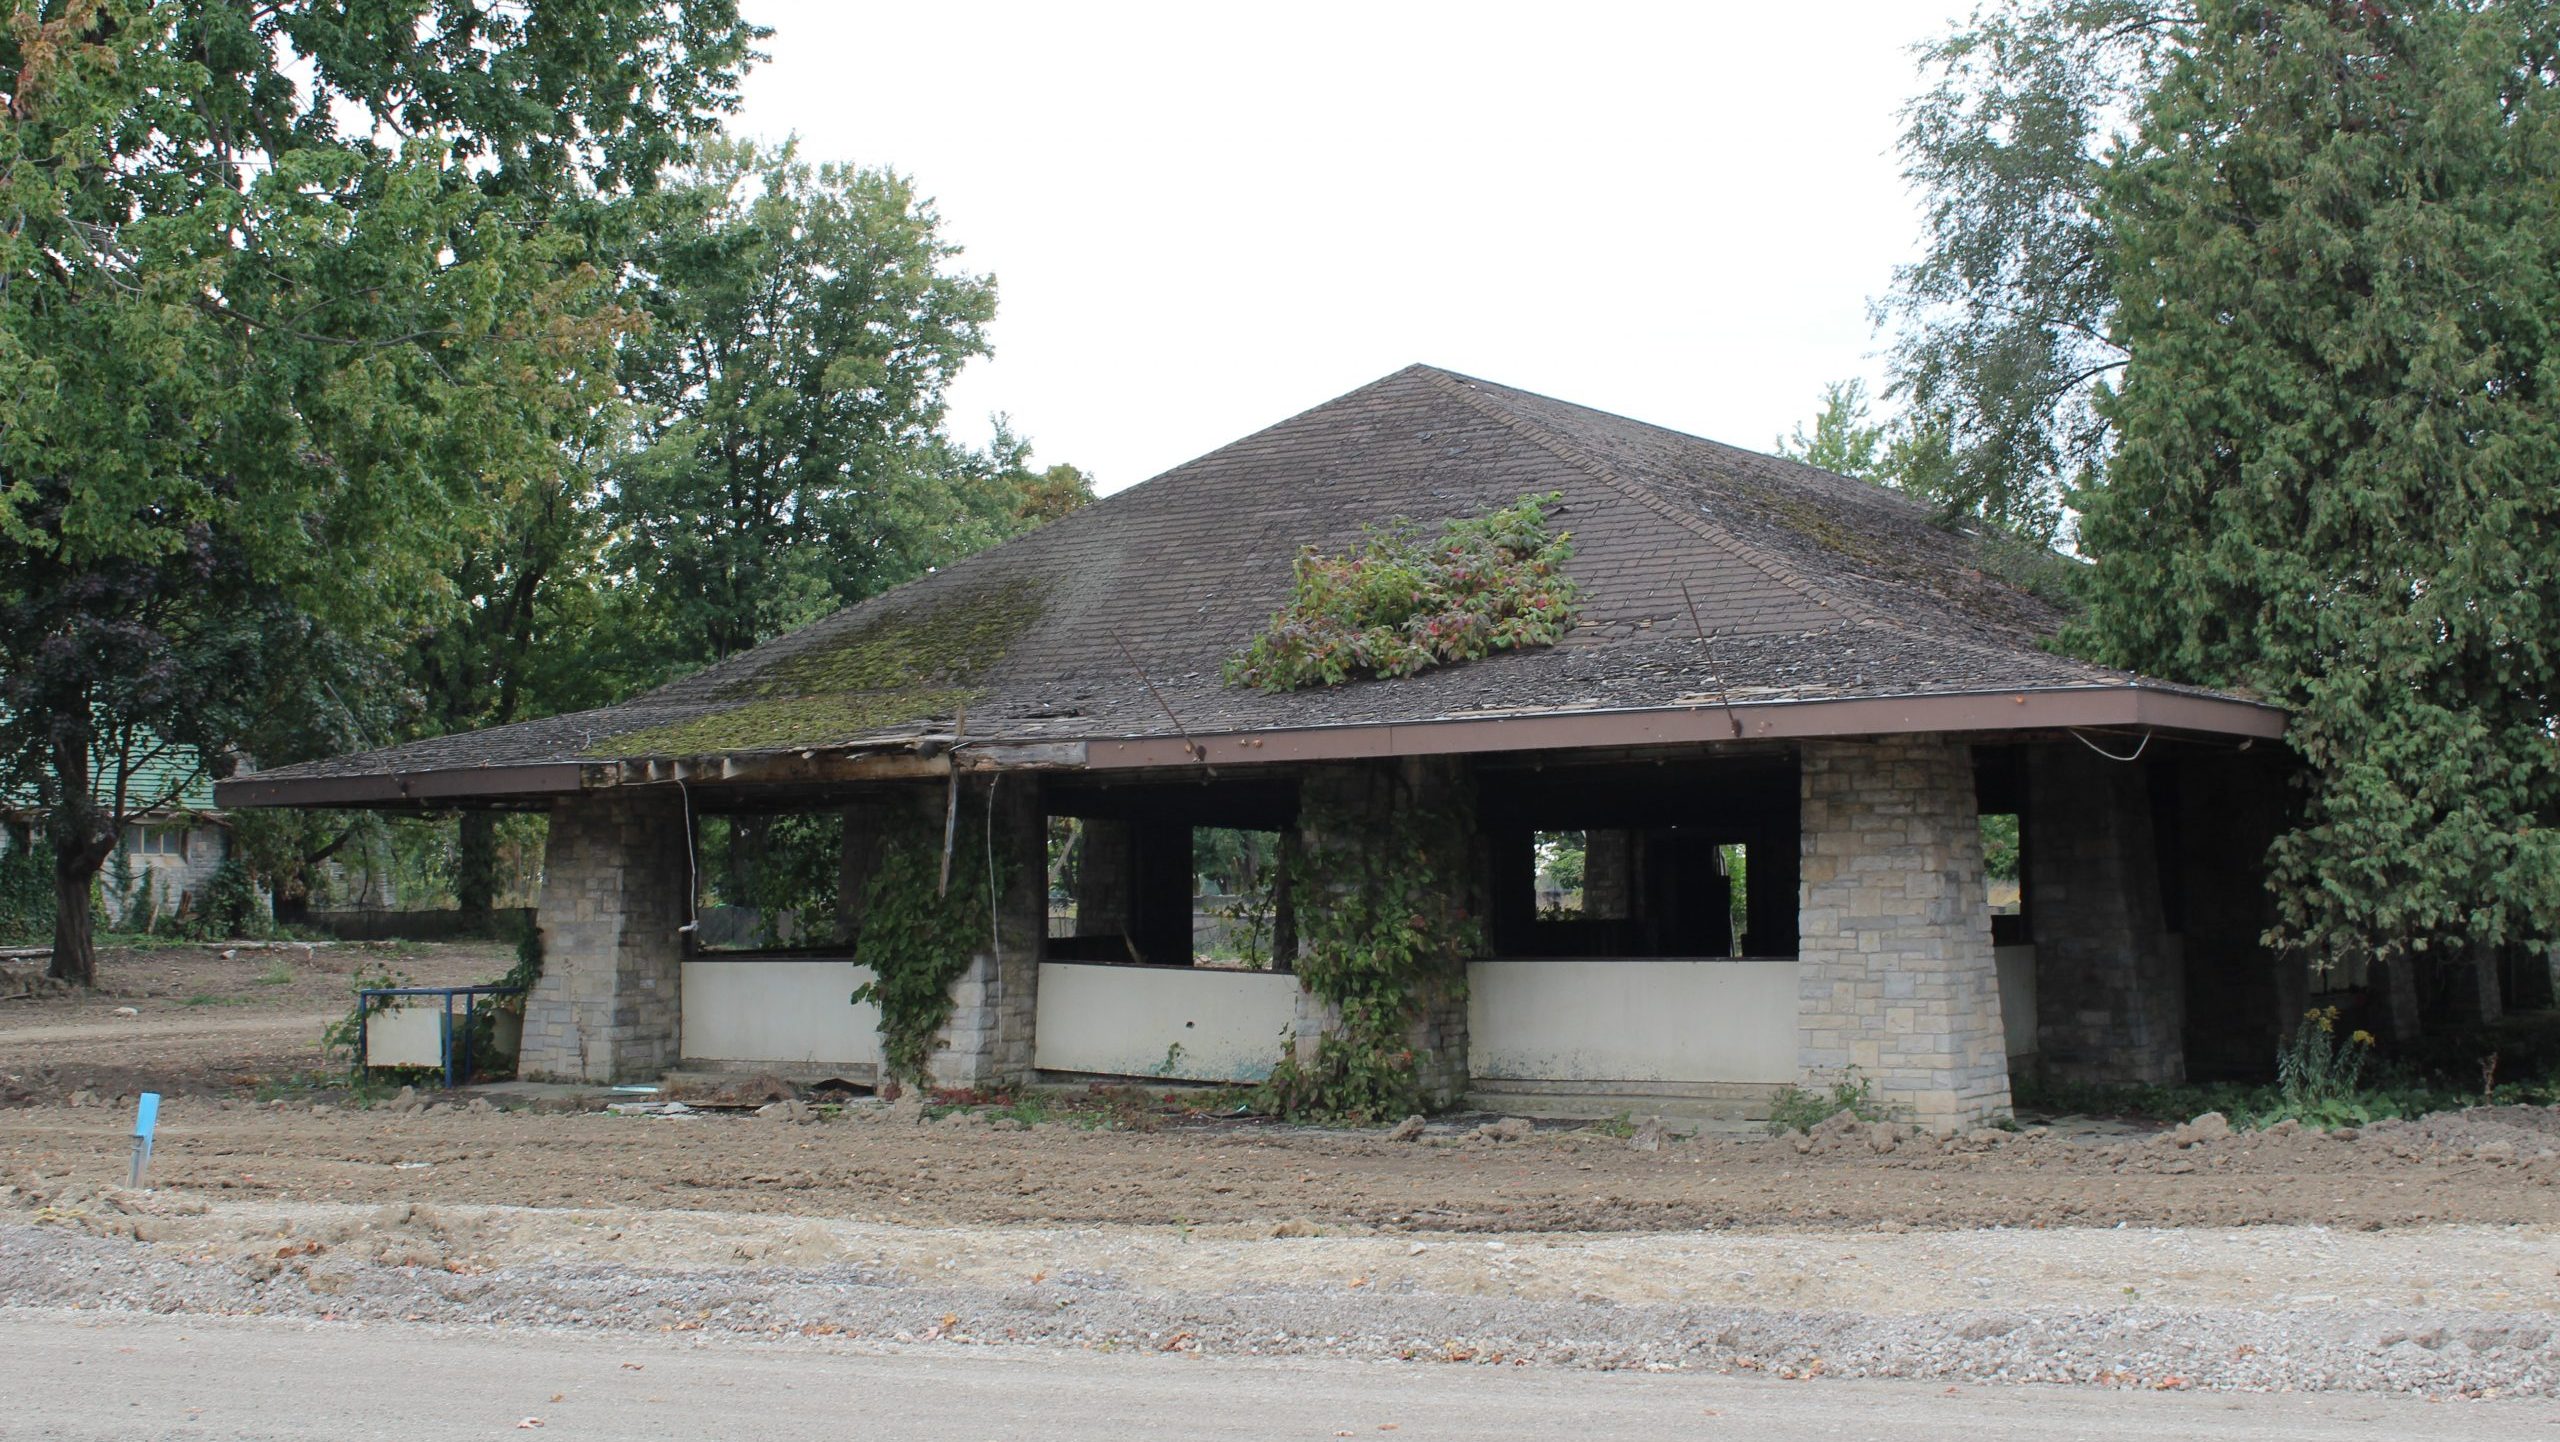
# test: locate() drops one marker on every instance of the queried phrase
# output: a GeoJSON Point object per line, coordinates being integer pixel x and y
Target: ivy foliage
{"type": "Point", "coordinates": [1404, 601]}
{"type": "Point", "coordinates": [1384, 930]}
{"type": "Point", "coordinates": [916, 937]}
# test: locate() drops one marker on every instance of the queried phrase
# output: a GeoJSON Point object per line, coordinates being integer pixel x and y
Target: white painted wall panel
{"type": "Point", "coordinates": [1632, 1021]}
{"type": "Point", "coordinates": [795, 1010]}
{"type": "Point", "coordinates": [406, 1033]}
{"type": "Point", "coordinates": [1127, 1020]}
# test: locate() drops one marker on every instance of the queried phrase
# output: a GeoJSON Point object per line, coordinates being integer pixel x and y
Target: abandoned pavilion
{"type": "Point", "coordinates": [1766, 657]}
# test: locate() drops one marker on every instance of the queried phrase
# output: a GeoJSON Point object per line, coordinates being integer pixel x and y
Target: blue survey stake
{"type": "Point", "coordinates": [146, 1116]}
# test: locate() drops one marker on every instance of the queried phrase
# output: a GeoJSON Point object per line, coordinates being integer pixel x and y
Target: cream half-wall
{"type": "Point", "coordinates": [796, 1012]}
{"type": "Point", "coordinates": [1180, 1023]}
{"type": "Point", "coordinates": [1641, 1020]}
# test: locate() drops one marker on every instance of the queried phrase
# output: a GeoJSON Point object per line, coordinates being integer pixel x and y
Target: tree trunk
{"type": "Point", "coordinates": [82, 838]}
{"type": "Point", "coordinates": [475, 872]}
{"type": "Point", "coordinates": [75, 946]}
{"type": "Point", "coordinates": [2395, 989]}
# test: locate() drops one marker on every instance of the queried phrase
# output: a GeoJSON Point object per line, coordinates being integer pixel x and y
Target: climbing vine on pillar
{"type": "Point", "coordinates": [1382, 882]}
{"type": "Point", "coordinates": [916, 937]}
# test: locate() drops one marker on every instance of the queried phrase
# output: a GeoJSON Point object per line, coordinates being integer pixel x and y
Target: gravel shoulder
{"type": "Point", "coordinates": [87, 1376]}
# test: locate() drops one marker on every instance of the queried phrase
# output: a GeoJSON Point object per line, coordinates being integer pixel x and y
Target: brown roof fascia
{"type": "Point", "coordinates": [407, 788]}
{"type": "Point", "coordinates": [2135, 707]}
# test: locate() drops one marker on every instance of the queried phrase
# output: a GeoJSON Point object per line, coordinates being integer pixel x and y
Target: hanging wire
{"type": "Point", "coordinates": [692, 866]}
{"type": "Point", "coordinates": [2141, 747]}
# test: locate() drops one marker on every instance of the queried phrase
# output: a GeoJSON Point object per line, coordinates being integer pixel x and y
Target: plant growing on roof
{"type": "Point", "coordinates": [1404, 601]}
{"type": "Point", "coordinates": [917, 936]}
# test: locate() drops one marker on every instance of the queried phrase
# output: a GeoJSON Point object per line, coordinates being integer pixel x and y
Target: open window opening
{"type": "Point", "coordinates": [768, 882]}
{"type": "Point", "coordinates": [1240, 881]}
{"type": "Point", "coordinates": [1154, 875]}
{"type": "Point", "coordinates": [1644, 861]}
{"type": "Point", "coordinates": [2000, 794]}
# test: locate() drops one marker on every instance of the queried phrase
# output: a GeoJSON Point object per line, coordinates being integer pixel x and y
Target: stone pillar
{"type": "Point", "coordinates": [1103, 877]}
{"type": "Point", "coordinates": [995, 1005]}
{"type": "Point", "coordinates": [615, 883]}
{"type": "Point", "coordinates": [2111, 996]}
{"type": "Point", "coordinates": [1608, 874]}
{"type": "Point", "coordinates": [1894, 973]}
{"type": "Point", "coordinates": [1367, 795]}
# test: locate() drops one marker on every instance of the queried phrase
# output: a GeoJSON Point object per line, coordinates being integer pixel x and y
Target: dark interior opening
{"type": "Point", "coordinates": [1126, 871]}
{"type": "Point", "coordinates": [1694, 859]}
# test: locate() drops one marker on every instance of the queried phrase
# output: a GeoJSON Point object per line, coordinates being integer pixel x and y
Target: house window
{"type": "Point", "coordinates": [157, 841]}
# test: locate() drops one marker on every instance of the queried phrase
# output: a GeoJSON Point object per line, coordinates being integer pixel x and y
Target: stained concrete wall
{"type": "Point", "coordinates": [1644, 1020]}
{"type": "Point", "coordinates": [795, 1012]}
{"type": "Point", "coordinates": [1895, 973]}
{"type": "Point", "coordinates": [1128, 1021]}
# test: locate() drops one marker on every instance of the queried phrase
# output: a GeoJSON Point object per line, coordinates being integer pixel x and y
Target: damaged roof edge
{"type": "Point", "coordinates": [2133, 705]}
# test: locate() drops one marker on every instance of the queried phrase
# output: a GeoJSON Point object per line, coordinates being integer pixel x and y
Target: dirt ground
{"type": "Point", "coordinates": [215, 1032]}
{"type": "Point", "coordinates": [2404, 1257]}
{"type": "Point", "coordinates": [222, 1020]}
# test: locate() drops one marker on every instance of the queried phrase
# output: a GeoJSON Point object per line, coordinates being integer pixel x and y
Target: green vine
{"type": "Point", "coordinates": [916, 938]}
{"type": "Point", "coordinates": [1402, 601]}
{"type": "Point", "coordinates": [1384, 931]}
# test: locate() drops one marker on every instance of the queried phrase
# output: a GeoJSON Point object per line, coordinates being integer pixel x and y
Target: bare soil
{"type": "Point", "coordinates": [224, 1019]}
{"type": "Point", "coordinates": [218, 1027]}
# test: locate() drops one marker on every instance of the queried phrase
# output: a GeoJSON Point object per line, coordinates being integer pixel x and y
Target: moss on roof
{"type": "Point", "coordinates": [935, 640]}
{"type": "Point", "coordinates": [781, 723]}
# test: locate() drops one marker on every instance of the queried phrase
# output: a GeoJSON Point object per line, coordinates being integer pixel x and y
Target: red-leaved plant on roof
{"type": "Point", "coordinates": [1405, 600]}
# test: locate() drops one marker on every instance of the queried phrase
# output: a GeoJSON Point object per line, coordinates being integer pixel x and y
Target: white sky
{"type": "Point", "coordinates": [1206, 217]}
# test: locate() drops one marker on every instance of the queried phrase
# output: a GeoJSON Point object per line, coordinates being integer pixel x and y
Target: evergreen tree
{"type": "Point", "coordinates": [2336, 270]}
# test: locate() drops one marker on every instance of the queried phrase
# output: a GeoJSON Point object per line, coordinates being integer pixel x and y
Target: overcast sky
{"type": "Point", "coordinates": [1204, 218]}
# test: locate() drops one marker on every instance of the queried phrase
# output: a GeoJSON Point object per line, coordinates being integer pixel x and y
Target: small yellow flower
{"type": "Point", "coordinates": [2362, 1037]}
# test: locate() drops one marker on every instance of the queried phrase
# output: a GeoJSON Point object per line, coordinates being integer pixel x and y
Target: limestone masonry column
{"type": "Point", "coordinates": [2111, 997]}
{"type": "Point", "coordinates": [1895, 974]}
{"type": "Point", "coordinates": [614, 880]}
{"type": "Point", "coordinates": [995, 1005]}
{"type": "Point", "coordinates": [1369, 793]}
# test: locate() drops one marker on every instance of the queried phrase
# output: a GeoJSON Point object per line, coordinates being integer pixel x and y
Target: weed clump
{"type": "Point", "coordinates": [1403, 601]}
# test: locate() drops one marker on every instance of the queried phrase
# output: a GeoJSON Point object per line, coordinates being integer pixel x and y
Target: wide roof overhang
{"type": "Point", "coordinates": [2132, 709]}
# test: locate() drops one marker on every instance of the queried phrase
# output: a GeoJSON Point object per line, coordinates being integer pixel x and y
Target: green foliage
{"type": "Point", "coordinates": [26, 893]}
{"type": "Point", "coordinates": [2000, 328]}
{"type": "Point", "coordinates": [1563, 859]}
{"type": "Point", "coordinates": [918, 939]}
{"type": "Point", "coordinates": [1793, 1108]}
{"type": "Point", "coordinates": [1843, 440]}
{"type": "Point", "coordinates": [1405, 601]}
{"type": "Point", "coordinates": [2338, 255]}
{"type": "Point", "coordinates": [1383, 931]}
{"type": "Point", "coordinates": [231, 906]}
{"type": "Point", "coordinates": [2318, 1068]}
{"type": "Point", "coordinates": [789, 456]}
{"type": "Point", "coordinates": [2000, 846]}
{"type": "Point", "coordinates": [290, 299]}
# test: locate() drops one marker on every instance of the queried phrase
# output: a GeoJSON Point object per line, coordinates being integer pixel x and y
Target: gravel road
{"type": "Point", "coordinates": [85, 1378]}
